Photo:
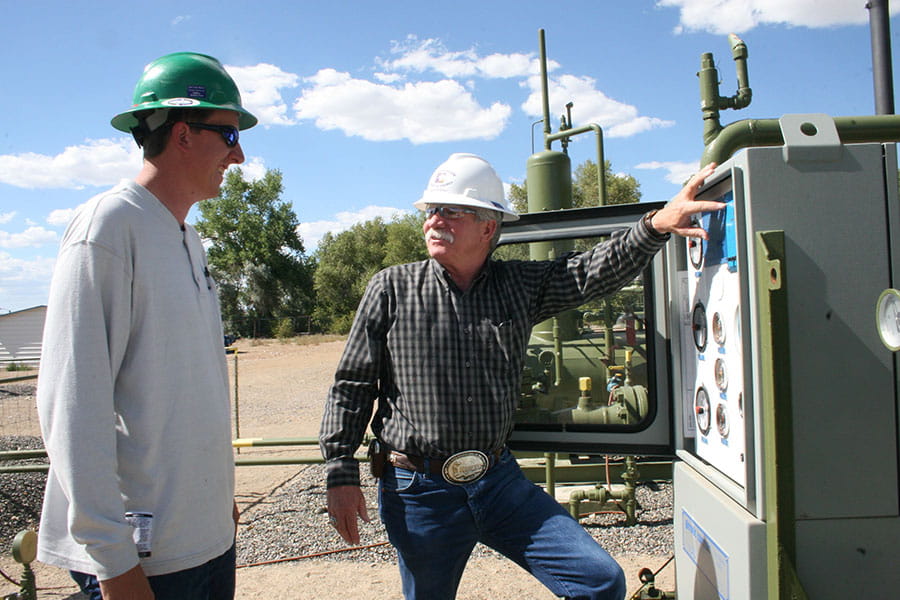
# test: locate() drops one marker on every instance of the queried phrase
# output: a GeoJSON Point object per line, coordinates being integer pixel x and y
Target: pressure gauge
{"type": "Point", "coordinates": [702, 410]}
{"type": "Point", "coordinates": [721, 375]}
{"type": "Point", "coordinates": [718, 329]}
{"type": "Point", "coordinates": [722, 424]}
{"type": "Point", "coordinates": [698, 325]}
{"type": "Point", "coordinates": [887, 318]}
{"type": "Point", "coordinates": [695, 251]}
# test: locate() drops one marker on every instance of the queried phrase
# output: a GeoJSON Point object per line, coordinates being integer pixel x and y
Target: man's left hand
{"type": "Point", "coordinates": [677, 216]}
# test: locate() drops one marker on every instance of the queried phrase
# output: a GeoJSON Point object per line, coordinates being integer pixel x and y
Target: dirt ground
{"type": "Point", "coordinates": [281, 388]}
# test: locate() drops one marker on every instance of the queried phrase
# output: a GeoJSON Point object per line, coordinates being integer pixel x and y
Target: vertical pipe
{"type": "Point", "coordinates": [237, 420]}
{"type": "Point", "coordinates": [550, 473]}
{"type": "Point", "coordinates": [882, 69]}
{"type": "Point", "coordinates": [545, 94]}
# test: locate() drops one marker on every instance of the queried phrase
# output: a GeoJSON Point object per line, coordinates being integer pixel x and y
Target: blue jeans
{"type": "Point", "coordinates": [213, 580]}
{"type": "Point", "coordinates": [434, 525]}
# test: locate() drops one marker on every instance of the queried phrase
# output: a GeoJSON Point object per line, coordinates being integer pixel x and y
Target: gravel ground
{"type": "Point", "coordinates": [283, 510]}
{"type": "Point", "coordinates": [21, 494]}
{"type": "Point", "coordinates": [292, 523]}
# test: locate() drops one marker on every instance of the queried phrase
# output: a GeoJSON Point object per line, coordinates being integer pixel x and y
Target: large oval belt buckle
{"type": "Point", "coordinates": [465, 467]}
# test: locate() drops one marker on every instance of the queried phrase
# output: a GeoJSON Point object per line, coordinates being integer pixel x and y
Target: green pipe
{"type": "Point", "coordinates": [266, 442]}
{"type": "Point", "coordinates": [25, 468]}
{"type": "Point", "coordinates": [570, 473]}
{"type": "Point", "coordinates": [22, 454]}
{"type": "Point", "coordinates": [550, 472]}
{"type": "Point", "coordinates": [19, 378]}
{"type": "Point", "coordinates": [607, 495]}
{"type": "Point", "coordinates": [767, 132]}
{"type": "Point", "coordinates": [249, 461]}
{"type": "Point", "coordinates": [545, 94]}
{"type": "Point", "coordinates": [601, 161]}
{"type": "Point", "coordinates": [565, 135]}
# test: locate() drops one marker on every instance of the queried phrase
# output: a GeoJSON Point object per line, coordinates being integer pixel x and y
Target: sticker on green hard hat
{"type": "Point", "coordinates": [180, 102]}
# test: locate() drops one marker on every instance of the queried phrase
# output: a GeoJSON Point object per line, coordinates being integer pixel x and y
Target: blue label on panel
{"type": "Point", "coordinates": [711, 560]}
{"type": "Point", "coordinates": [722, 245]}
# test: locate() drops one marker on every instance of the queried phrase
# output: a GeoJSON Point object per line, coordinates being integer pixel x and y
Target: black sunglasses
{"type": "Point", "coordinates": [448, 212]}
{"type": "Point", "coordinates": [229, 132]}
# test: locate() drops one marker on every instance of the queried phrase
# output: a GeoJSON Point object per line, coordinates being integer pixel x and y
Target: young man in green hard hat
{"type": "Point", "coordinates": [133, 391]}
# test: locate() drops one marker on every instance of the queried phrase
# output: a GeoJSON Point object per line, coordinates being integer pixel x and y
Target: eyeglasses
{"type": "Point", "coordinates": [448, 212]}
{"type": "Point", "coordinates": [229, 132]}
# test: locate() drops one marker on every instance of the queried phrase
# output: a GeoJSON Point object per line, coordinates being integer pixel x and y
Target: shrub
{"type": "Point", "coordinates": [284, 328]}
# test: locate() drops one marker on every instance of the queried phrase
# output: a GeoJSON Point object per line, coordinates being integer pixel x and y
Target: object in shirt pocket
{"type": "Point", "coordinates": [143, 531]}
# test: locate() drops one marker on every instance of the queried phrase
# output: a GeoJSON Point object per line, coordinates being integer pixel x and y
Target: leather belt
{"type": "Point", "coordinates": [462, 467]}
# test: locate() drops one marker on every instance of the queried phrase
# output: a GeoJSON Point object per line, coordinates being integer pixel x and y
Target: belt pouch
{"type": "Point", "coordinates": [377, 459]}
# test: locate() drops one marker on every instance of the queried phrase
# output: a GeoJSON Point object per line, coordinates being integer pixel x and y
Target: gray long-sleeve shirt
{"type": "Point", "coordinates": [133, 393]}
{"type": "Point", "coordinates": [445, 364]}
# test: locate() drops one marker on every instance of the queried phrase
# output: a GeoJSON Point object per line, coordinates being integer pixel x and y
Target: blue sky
{"type": "Point", "coordinates": [359, 101]}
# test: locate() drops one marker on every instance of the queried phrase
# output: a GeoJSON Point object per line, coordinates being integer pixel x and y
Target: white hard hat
{"type": "Point", "coordinates": [466, 180]}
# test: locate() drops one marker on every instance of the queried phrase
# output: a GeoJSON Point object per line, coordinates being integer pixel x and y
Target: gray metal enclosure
{"type": "Point", "coordinates": [837, 207]}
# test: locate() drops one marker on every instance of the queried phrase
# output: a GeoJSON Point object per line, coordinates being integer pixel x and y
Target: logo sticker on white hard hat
{"type": "Point", "coordinates": [443, 178]}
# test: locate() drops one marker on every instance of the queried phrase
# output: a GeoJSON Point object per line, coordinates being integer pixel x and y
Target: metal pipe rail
{"type": "Point", "coordinates": [545, 470]}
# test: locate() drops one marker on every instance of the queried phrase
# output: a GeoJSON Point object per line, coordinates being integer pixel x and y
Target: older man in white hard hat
{"type": "Point", "coordinates": [440, 344]}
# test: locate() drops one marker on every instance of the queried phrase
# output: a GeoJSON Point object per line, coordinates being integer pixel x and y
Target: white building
{"type": "Point", "coordinates": [20, 335]}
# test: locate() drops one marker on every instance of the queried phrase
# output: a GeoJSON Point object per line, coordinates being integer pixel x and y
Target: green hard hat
{"type": "Point", "coordinates": [184, 80]}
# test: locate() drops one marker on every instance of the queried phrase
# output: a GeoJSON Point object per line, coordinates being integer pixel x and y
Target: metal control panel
{"type": "Point", "coordinates": [713, 369]}
{"type": "Point", "coordinates": [834, 205]}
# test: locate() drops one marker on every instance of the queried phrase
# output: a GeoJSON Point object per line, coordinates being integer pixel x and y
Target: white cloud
{"type": "Point", "coordinates": [180, 19]}
{"type": "Point", "coordinates": [7, 217]}
{"type": "Point", "coordinates": [31, 237]}
{"type": "Point", "coordinates": [431, 55]}
{"type": "Point", "coordinates": [388, 77]}
{"type": "Point", "coordinates": [24, 283]}
{"type": "Point", "coordinates": [252, 170]}
{"type": "Point", "coordinates": [420, 112]}
{"type": "Point", "coordinates": [676, 172]}
{"type": "Point", "coordinates": [726, 16]}
{"type": "Point", "coordinates": [61, 216]}
{"type": "Point", "coordinates": [425, 93]}
{"type": "Point", "coordinates": [93, 163]}
{"type": "Point", "coordinates": [617, 119]}
{"type": "Point", "coordinates": [312, 233]}
{"type": "Point", "coordinates": [261, 91]}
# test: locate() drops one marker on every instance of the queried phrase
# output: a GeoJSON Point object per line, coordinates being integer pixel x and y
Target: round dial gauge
{"type": "Point", "coordinates": [702, 411]}
{"type": "Point", "coordinates": [887, 318]}
{"type": "Point", "coordinates": [718, 328]}
{"type": "Point", "coordinates": [695, 251]}
{"type": "Point", "coordinates": [722, 420]}
{"type": "Point", "coordinates": [721, 375]}
{"type": "Point", "coordinates": [698, 325]}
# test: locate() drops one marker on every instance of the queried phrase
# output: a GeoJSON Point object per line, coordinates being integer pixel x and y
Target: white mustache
{"type": "Point", "coordinates": [439, 234]}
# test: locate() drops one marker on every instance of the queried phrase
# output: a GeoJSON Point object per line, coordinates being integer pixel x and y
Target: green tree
{"type": "Point", "coordinates": [346, 262]}
{"type": "Point", "coordinates": [255, 254]}
{"type": "Point", "coordinates": [620, 188]}
{"type": "Point", "coordinates": [405, 241]}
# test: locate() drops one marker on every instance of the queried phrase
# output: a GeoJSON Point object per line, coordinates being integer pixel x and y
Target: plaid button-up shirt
{"type": "Point", "coordinates": [446, 365]}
